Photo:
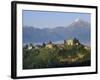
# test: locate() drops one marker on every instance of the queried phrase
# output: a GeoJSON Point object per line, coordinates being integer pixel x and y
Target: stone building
{"type": "Point", "coordinates": [49, 45]}
{"type": "Point", "coordinates": [72, 42]}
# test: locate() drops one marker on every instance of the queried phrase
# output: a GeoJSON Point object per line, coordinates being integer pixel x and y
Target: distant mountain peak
{"type": "Point", "coordinates": [77, 19]}
{"type": "Point", "coordinates": [79, 22]}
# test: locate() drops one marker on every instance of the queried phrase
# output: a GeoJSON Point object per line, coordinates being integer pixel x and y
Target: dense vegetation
{"type": "Point", "coordinates": [44, 57]}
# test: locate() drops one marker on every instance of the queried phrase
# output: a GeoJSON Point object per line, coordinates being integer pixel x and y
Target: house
{"type": "Point", "coordinates": [49, 45]}
{"type": "Point", "coordinates": [37, 46]}
{"type": "Point", "coordinates": [86, 47]}
{"type": "Point", "coordinates": [72, 42]}
{"type": "Point", "coordinates": [30, 46]}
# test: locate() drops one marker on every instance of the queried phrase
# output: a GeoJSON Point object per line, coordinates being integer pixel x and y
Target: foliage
{"type": "Point", "coordinates": [55, 57]}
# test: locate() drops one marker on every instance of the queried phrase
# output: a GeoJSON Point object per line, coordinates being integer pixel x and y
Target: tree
{"type": "Point", "coordinates": [43, 44]}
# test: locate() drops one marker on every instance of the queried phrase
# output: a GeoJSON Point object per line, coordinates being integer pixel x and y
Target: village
{"type": "Point", "coordinates": [50, 44]}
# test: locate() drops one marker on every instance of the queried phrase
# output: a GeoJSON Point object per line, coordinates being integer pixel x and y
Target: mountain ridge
{"type": "Point", "coordinates": [79, 29]}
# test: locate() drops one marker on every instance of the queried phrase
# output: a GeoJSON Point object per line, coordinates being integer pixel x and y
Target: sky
{"type": "Point", "coordinates": [48, 19]}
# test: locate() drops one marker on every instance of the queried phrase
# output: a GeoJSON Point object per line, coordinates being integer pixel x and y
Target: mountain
{"type": "Point", "coordinates": [78, 29]}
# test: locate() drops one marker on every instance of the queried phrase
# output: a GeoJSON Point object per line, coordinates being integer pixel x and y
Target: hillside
{"type": "Point", "coordinates": [53, 56]}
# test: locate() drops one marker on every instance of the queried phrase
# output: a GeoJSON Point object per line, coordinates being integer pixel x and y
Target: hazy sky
{"type": "Point", "coordinates": [43, 19]}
